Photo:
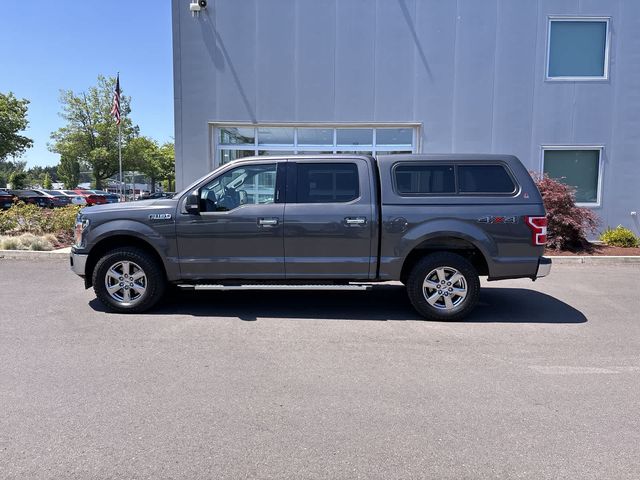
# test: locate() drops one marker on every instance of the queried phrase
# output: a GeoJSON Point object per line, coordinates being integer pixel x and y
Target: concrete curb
{"type": "Point", "coordinates": [594, 259]}
{"type": "Point", "coordinates": [29, 254]}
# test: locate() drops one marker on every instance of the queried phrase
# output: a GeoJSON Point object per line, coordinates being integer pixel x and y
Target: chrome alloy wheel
{"type": "Point", "coordinates": [126, 282]}
{"type": "Point", "coordinates": [444, 288]}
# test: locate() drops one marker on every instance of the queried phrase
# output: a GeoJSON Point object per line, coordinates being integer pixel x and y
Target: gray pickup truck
{"type": "Point", "coordinates": [433, 222]}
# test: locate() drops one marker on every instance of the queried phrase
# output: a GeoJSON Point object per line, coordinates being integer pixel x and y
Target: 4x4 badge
{"type": "Point", "coordinates": [491, 219]}
{"type": "Point", "coordinates": [159, 216]}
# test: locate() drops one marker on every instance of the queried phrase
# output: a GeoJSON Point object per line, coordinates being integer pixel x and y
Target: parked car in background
{"type": "Point", "coordinates": [34, 198]}
{"type": "Point", "coordinates": [6, 200]}
{"type": "Point", "coordinates": [57, 198]}
{"type": "Point", "coordinates": [149, 195]}
{"type": "Point", "coordinates": [111, 197]}
{"type": "Point", "coordinates": [75, 198]}
{"type": "Point", "coordinates": [91, 198]}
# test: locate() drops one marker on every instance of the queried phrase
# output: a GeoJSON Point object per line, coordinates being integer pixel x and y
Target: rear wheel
{"type": "Point", "coordinates": [128, 280]}
{"type": "Point", "coordinates": [443, 286]}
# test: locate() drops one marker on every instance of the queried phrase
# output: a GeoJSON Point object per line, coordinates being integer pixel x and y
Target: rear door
{"type": "Point", "coordinates": [328, 219]}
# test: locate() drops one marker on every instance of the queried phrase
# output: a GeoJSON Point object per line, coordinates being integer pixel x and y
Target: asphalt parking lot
{"type": "Point", "coordinates": [543, 381]}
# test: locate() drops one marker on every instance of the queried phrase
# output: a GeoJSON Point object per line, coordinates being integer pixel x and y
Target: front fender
{"type": "Point", "coordinates": [160, 237]}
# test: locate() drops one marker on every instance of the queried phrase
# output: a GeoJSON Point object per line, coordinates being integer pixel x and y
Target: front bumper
{"type": "Point", "coordinates": [544, 267]}
{"type": "Point", "coordinates": [78, 262]}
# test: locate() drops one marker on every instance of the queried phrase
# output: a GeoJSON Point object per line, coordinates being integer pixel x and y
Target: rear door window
{"type": "Point", "coordinates": [425, 179]}
{"type": "Point", "coordinates": [484, 179]}
{"type": "Point", "coordinates": [327, 182]}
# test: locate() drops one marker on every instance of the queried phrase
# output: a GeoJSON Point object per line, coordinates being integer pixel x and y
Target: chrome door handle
{"type": "Point", "coordinates": [355, 221]}
{"type": "Point", "coordinates": [267, 222]}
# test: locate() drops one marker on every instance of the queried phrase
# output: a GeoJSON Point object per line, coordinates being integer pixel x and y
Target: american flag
{"type": "Point", "coordinates": [115, 110]}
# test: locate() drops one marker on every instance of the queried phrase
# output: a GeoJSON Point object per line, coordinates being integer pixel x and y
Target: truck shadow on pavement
{"type": "Point", "coordinates": [388, 302]}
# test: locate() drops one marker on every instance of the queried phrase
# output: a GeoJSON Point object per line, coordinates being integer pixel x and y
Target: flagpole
{"type": "Point", "coordinates": [120, 158]}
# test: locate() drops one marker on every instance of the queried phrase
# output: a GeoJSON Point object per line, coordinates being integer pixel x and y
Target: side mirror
{"type": "Point", "coordinates": [192, 204]}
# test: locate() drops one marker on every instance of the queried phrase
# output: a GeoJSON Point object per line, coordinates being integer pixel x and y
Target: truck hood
{"type": "Point", "coordinates": [130, 206]}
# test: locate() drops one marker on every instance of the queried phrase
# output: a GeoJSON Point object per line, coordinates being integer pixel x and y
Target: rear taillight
{"type": "Point", "coordinates": [538, 226]}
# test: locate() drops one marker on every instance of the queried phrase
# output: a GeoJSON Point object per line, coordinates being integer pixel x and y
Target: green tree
{"type": "Point", "coordinates": [47, 183]}
{"type": "Point", "coordinates": [90, 135]}
{"type": "Point", "coordinates": [8, 167]}
{"type": "Point", "coordinates": [69, 171]}
{"type": "Point", "coordinates": [143, 155]}
{"type": "Point", "coordinates": [13, 119]}
{"type": "Point", "coordinates": [156, 162]}
{"type": "Point", "coordinates": [168, 164]}
{"type": "Point", "coordinates": [36, 174]}
{"type": "Point", "coordinates": [18, 180]}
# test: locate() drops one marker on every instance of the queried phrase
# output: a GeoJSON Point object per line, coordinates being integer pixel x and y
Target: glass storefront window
{"type": "Point", "coordinates": [227, 156]}
{"type": "Point", "coordinates": [394, 136]}
{"type": "Point", "coordinates": [315, 136]}
{"type": "Point", "coordinates": [275, 135]}
{"type": "Point", "coordinates": [233, 142]}
{"type": "Point", "coordinates": [237, 136]}
{"type": "Point", "coordinates": [354, 136]}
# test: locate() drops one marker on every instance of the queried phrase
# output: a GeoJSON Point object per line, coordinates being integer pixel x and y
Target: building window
{"type": "Point", "coordinates": [579, 167]}
{"type": "Point", "coordinates": [578, 48]}
{"type": "Point", "coordinates": [233, 142]}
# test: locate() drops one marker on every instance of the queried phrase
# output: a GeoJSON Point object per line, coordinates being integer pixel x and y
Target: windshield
{"type": "Point", "coordinates": [70, 192]}
{"type": "Point", "coordinates": [54, 193]}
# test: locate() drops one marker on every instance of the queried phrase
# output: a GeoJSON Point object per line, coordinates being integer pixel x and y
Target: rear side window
{"type": "Point", "coordinates": [327, 182]}
{"type": "Point", "coordinates": [484, 179]}
{"type": "Point", "coordinates": [425, 179]}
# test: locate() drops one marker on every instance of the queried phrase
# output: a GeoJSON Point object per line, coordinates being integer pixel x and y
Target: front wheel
{"type": "Point", "coordinates": [128, 280]}
{"type": "Point", "coordinates": [443, 286]}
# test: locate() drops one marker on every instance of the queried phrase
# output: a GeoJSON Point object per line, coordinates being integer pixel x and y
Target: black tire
{"type": "Point", "coordinates": [457, 306]}
{"type": "Point", "coordinates": [154, 280]}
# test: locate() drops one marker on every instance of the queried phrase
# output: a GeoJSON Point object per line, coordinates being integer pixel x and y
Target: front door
{"type": "Point", "coordinates": [238, 232]}
{"type": "Point", "coordinates": [328, 220]}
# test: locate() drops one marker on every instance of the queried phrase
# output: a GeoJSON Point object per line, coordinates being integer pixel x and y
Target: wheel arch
{"type": "Point", "coordinates": [451, 243]}
{"type": "Point", "coordinates": [114, 242]}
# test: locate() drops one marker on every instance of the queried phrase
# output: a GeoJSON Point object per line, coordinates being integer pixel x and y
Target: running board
{"type": "Point", "coordinates": [252, 286]}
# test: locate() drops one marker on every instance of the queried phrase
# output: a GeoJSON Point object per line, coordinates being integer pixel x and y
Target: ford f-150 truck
{"type": "Point", "coordinates": [434, 222]}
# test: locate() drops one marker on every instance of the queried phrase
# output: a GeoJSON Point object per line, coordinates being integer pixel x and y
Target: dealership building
{"type": "Point", "coordinates": [555, 82]}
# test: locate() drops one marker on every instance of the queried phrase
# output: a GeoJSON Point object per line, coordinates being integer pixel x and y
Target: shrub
{"type": "Point", "coordinates": [23, 218]}
{"type": "Point", "coordinates": [7, 222]}
{"type": "Point", "coordinates": [568, 224]}
{"type": "Point", "coordinates": [9, 243]}
{"type": "Point", "coordinates": [620, 237]}
{"type": "Point", "coordinates": [26, 241]}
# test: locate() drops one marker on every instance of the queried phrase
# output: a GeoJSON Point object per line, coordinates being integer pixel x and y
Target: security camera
{"type": "Point", "coordinates": [196, 5]}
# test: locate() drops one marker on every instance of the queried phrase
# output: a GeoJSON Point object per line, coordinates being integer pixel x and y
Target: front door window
{"type": "Point", "coordinates": [246, 185]}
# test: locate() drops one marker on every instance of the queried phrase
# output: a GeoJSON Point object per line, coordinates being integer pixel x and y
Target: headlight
{"type": "Point", "coordinates": [81, 225]}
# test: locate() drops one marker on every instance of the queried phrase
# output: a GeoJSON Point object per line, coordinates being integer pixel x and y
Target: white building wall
{"type": "Point", "coordinates": [471, 72]}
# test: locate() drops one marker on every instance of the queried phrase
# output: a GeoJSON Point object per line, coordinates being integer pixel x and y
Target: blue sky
{"type": "Point", "coordinates": [48, 45]}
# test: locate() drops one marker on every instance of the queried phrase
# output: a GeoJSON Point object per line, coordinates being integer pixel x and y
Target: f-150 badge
{"type": "Point", "coordinates": [490, 219]}
{"type": "Point", "coordinates": [159, 216]}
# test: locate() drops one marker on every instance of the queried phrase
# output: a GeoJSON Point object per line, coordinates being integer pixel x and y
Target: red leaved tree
{"type": "Point", "coordinates": [568, 224]}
